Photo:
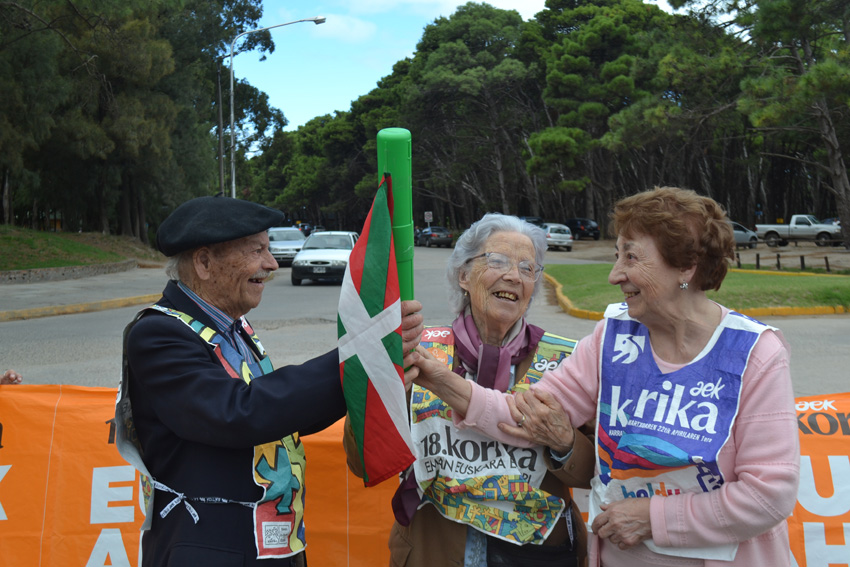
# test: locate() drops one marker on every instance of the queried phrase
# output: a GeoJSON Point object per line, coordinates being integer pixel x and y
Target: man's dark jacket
{"type": "Point", "coordinates": [197, 427]}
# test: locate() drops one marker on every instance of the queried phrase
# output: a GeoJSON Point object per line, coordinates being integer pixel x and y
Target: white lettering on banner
{"type": "Point", "coordinates": [102, 494]}
{"type": "Point", "coordinates": [704, 421]}
{"type": "Point", "coordinates": [821, 554]}
{"type": "Point", "coordinates": [819, 405]}
{"type": "Point", "coordinates": [110, 546]}
{"type": "Point", "coordinates": [430, 334]}
{"type": "Point", "coordinates": [809, 497]}
{"type": "Point", "coordinates": [3, 470]}
{"type": "Point", "coordinates": [629, 346]}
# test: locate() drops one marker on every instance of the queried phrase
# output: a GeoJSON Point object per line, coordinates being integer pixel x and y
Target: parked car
{"type": "Point", "coordinates": [744, 236]}
{"type": "Point", "coordinates": [536, 221]}
{"type": "Point", "coordinates": [801, 227]}
{"type": "Point", "coordinates": [284, 243]}
{"type": "Point", "coordinates": [558, 236]}
{"type": "Point", "coordinates": [323, 256]}
{"type": "Point", "coordinates": [434, 236]}
{"type": "Point", "coordinates": [583, 227]}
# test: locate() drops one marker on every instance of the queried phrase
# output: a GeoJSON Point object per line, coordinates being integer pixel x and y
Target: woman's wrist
{"type": "Point", "coordinates": [565, 447]}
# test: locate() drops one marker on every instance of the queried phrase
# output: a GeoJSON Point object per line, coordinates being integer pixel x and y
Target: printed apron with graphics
{"type": "Point", "coordinates": [473, 479]}
{"type": "Point", "coordinates": [278, 467]}
{"type": "Point", "coordinates": [660, 434]}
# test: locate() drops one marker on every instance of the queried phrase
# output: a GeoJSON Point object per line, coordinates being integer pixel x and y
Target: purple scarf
{"type": "Point", "coordinates": [491, 364]}
{"type": "Point", "coordinates": [492, 367]}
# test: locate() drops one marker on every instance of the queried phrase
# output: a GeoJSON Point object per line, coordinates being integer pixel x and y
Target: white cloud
{"type": "Point", "coordinates": [346, 28]}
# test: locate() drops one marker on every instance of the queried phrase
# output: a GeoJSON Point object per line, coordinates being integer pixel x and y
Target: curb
{"type": "Point", "coordinates": [74, 308]}
{"type": "Point", "coordinates": [35, 313]}
{"type": "Point", "coordinates": [568, 307]}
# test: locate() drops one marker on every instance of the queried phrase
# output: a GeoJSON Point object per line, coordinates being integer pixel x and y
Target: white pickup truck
{"type": "Point", "coordinates": [801, 227]}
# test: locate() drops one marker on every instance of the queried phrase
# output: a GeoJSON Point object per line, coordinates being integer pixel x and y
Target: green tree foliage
{"type": "Point", "coordinates": [600, 64]}
{"type": "Point", "coordinates": [109, 122]}
{"type": "Point", "coordinates": [110, 111]}
{"type": "Point", "coordinates": [798, 101]}
{"type": "Point", "coordinates": [472, 106]}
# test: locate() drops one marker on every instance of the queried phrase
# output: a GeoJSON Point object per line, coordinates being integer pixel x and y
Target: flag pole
{"type": "Point", "coordinates": [394, 157]}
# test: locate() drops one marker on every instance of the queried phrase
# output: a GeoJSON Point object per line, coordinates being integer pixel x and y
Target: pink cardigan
{"type": "Point", "coordinates": [760, 461]}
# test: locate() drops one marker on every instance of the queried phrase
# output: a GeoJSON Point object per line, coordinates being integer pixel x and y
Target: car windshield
{"type": "Point", "coordinates": [285, 235]}
{"type": "Point", "coordinates": [324, 241]}
{"type": "Point", "coordinates": [435, 229]}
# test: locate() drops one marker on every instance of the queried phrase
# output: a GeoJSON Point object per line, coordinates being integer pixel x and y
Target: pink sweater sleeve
{"type": "Point", "coordinates": [760, 463]}
{"type": "Point", "coordinates": [574, 383]}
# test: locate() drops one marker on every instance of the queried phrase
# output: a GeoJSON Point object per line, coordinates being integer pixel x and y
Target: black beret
{"type": "Point", "coordinates": [210, 220]}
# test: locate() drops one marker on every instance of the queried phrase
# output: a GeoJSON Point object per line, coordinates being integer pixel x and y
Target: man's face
{"type": "Point", "coordinates": [237, 272]}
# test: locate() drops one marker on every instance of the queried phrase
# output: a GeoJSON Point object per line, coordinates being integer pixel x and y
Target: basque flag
{"type": "Point", "coordinates": [370, 347]}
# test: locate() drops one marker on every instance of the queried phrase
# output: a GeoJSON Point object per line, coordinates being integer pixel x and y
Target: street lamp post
{"type": "Point", "coordinates": [316, 20]}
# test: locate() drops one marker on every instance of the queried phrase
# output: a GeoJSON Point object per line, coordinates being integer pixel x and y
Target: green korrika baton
{"type": "Point", "coordinates": [394, 158]}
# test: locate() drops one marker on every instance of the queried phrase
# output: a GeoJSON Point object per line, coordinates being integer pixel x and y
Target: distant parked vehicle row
{"type": "Point", "coordinates": [801, 227]}
{"type": "Point", "coordinates": [558, 236]}
{"type": "Point", "coordinates": [744, 236]}
{"type": "Point", "coordinates": [324, 255]}
{"type": "Point", "coordinates": [582, 227]}
{"type": "Point", "coordinates": [433, 236]}
{"type": "Point", "coordinates": [284, 243]}
{"type": "Point", "coordinates": [578, 227]}
{"type": "Point", "coordinates": [536, 221]}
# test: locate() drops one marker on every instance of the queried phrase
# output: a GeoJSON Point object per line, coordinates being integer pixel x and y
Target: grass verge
{"type": "Point", "coordinates": [25, 249]}
{"type": "Point", "coordinates": [587, 288]}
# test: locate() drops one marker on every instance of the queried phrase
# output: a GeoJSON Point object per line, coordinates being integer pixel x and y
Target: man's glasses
{"type": "Point", "coordinates": [528, 270]}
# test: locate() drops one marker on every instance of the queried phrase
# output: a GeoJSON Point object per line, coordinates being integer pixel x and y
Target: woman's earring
{"type": "Point", "coordinates": [465, 293]}
{"type": "Point", "coordinates": [683, 285]}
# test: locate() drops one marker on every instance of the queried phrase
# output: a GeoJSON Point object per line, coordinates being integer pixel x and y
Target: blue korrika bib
{"type": "Point", "coordinates": [660, 434]}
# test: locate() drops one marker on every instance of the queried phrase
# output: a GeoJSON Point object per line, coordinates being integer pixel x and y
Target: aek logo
{"type": "Point", "coordinates": [433, 334]}
{"type": "Point", "coordinates": [546, 364]}
{"type": "Point", "coordinates": [629, 346]}
{"type": "Point", "coordinates": [818, 405]}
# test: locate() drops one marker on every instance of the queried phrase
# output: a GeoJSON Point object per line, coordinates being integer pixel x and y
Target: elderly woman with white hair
{"type": "Point", "coordinates": [468, 501]}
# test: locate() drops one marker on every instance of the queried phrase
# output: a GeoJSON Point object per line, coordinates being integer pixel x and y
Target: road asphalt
{"type": "Point", "coordinates": [818, 339]}
{"type": "Point", "coordinates": [141, 285]}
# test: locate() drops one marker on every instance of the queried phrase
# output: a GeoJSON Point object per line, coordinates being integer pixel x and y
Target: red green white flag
{"type": "Point", "coordinates": [370, 347]}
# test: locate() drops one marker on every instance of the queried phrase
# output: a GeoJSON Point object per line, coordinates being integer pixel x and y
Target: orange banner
{"type": "Point", "coordinates": [820, 525]}
{"type": "Point", "coordinates": [67, 498]}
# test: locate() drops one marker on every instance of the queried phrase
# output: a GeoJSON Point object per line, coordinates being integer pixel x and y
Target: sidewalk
{"type": "Point", "coordinates": [135, 286]}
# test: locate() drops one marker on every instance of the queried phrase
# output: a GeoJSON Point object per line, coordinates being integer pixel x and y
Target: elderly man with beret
{"type": "Point", "coordinates": [213, 428]}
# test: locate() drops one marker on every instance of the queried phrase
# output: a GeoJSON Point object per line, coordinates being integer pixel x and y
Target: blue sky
{"type": "Point", "coordinates": [320, 69]}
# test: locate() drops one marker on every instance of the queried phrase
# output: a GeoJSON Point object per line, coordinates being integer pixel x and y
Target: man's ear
{"type": "Point", "coordinates": [202, 262]}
